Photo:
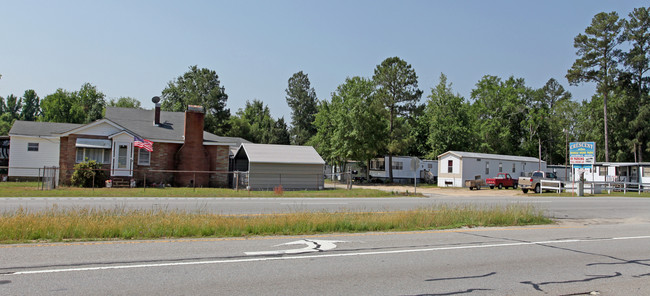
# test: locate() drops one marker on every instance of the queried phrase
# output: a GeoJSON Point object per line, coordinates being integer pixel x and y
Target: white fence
{"type": "Point", "coordinates": [595, 187]}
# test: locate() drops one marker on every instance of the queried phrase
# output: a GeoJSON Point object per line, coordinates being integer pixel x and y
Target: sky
{"type": "Point", "coordinates": [136, 48]}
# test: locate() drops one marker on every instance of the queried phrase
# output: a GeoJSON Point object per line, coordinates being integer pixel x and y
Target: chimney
{"type": "Point", "coordinates": [194, 122]}
{"type": "Point", "coordinates": [192, 156]}
{"type": "Point", "coordinates": [156, 112]}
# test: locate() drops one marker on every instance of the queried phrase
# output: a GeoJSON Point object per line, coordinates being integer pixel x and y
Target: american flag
{"type": "Point", "coordinates": [143, 144]}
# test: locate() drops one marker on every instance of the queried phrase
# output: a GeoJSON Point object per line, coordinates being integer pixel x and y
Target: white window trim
{"type": "Point", "coordinates": [104, 155]}
{"type": "Point", "coordinates": [140, 158]}
{"type": "Point", "coordinates": [31, 146]}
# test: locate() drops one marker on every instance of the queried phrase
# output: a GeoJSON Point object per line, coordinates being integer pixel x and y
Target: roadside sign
{"type": "Point", "coordinates": [582, 154]}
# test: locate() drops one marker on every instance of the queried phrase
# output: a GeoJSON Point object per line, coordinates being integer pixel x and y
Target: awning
{"type": "Point", "coordinates": [93, 143]}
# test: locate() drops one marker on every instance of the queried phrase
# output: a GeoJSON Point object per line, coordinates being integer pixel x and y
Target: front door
{"type": "Point", "coordinates": [122, 159]}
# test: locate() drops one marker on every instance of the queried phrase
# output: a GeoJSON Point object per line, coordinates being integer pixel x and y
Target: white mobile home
{"type": "Point", "coordinates": [405, 168]}
{"type": "Point", "coordinates": [638, 172]}
{"type": "Point", "coordinates": [454, 167]}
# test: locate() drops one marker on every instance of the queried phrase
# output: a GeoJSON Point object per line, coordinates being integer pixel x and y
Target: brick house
{"type": "Point", "coordinates": [183, 154]}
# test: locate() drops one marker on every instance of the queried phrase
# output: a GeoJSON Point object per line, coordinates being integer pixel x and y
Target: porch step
{"type": "Point", "coordinates": [121, 182]}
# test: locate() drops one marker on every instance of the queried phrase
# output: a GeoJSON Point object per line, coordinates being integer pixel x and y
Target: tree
{"type": "Point", "coordinates": [13, 107]}
{"type": "Point", "coordinates": [552, 97]}
{"type": "Point", "coordinates": [254, 123]}
{"type": "Point", "coordinates": [31, 106]}
{"type": "Point", "coordinates": [447, 115]}
{"type": "Point", "coordinates": [303, 102]}
{"type": "Point", "coordinates": [83, 106]}
{"type": "Point", "coordinates": [89, 104]}
{"type": "Point", "coordinates": [397, 90]}
{"type": "Point", "coordinates": [125, 102]}
{"type": "Point", "coordinates": [598, 59]}
{"type": "Point", "coordinates": [57, 107]}
{"type": "Point", "coordinates": [199, 87]}
{"type": "Point", "coordinates": [637, 60]}
{"type": "Point", "coordinates": [499, 113]}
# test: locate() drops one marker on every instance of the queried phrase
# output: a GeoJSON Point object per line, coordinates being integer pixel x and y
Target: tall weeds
{"type": "Point", "coordinates": [59, 224]}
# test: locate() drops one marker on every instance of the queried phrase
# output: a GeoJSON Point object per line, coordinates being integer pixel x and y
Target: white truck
{"type": "Point", "coordinates": [533, 182]}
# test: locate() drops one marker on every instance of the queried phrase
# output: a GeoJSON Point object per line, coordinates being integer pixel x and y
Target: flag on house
{"type": "Point", "coordinates": [143, 144]}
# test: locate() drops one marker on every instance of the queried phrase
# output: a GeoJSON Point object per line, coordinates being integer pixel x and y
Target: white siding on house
{"type": "Point", "coordinates": [23, 163]}
{"type": "Point", "coordinates": [486, 166]}
{"type": "Point", "coordinates": [102, 129]}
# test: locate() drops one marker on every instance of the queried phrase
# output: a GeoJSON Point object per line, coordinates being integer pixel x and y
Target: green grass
{"type": "Point", "coordinates": [58, 224]}
{"type": "Point", "coordinates": [31, 189]}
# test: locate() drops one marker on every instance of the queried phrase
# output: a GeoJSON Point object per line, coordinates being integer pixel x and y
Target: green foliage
{"type": "Point", "coordinates": [598, 59]}
{"type": "Point", "coordinates": [125, 102]}
{"type": "Point", "coordinates": [31, 106]}
{"type": "Point", "coordinates": [397, 90]}
{"type": "Point", "coordinates": [303, 102]}
{"type": "Point", "coordinates": [86, 172]}
{"type": "Point", "coordinates": [199, 87]}
{"type": "Point", "coordinates": [254, 123]}
{"type": "Point", "coordinates": [83, 106]}
{"type": "Point", "coordinates": [499, 111]}
{"type": "Point", "coordinates": [353, 125]}
{"type": "Point", "coordinates": [448, 118]}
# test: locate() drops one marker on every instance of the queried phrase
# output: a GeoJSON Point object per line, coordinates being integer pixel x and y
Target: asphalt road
{"type": "Point", "coordinates": [601, 245]}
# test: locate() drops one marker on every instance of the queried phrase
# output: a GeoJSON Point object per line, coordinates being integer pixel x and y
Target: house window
{"type": "Point", "coordinates": [513, 167]}
{"type": "Point", "coordinates": [96, 154]}
{"type": "Point", "coordinates": [450, 166]}
{"type": "Point", "coordinates": [430, 166]}
{"type": "Point", "coordinates": [487, 167]}
{"type": "Point", "coordinates": [646, 171]}
{"type": "Point", "coordinates": [377, 164]}
{"type": "Point", "coordinates": [32, 146]}
{"type": "Point", "coordinates": [144, 157]}
{"type": "Point", "coordinates": [602, 171]}
{"type": "Point", "coordinates": [500, 168]}
{"type": "Point", "coordinates": [398, 165]}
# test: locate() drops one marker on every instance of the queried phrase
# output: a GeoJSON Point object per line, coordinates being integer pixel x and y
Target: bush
{"type": "Point", "coordinates": [86, 172]}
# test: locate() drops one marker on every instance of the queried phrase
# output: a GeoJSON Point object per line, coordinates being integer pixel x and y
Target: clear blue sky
{"type": "Point", "coordinates": [134, 48]}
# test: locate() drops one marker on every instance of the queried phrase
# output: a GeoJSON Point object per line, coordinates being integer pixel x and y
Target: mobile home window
{"type": "Point", "coordinates": [602, 171]}
{"type": "Point", "coordinates": [500, 168]}
{"type": "Point", "coordinates": [487, 167]}
{"type": "Point", "coordinates": [450, 166]}
{"type": "Point", "coordinates": [144, 157]}
{"type": "Point", "coordinates": [513, 167]}
{"type": "Point", "coordinates": [646, 171]}
{"type": "Point", "coordinates": [398, 165]}
{"type": "Point", "coordinates": [32, 146]}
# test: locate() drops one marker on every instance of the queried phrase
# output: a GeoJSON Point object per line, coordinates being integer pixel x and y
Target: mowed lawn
{"type": "Point", "coordinates": [33, 189]}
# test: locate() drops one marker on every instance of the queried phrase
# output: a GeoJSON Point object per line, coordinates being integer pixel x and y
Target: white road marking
{"type": "Point", "coordinates": [323, 255]}
{"type": "Point", "coordinates": [312, 246]}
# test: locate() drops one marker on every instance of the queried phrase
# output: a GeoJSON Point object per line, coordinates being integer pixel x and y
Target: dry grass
{"type": "Point", "coordinates": [57, 224]}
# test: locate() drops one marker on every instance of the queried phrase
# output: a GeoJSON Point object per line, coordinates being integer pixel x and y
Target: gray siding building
{"type": "Point", "coordinates": [269, 166]}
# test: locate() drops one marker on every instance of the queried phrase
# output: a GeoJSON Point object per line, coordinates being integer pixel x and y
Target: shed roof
{"type": "Point", "coordinates": [285, 154]}
{"type": "Point", "coordinates": [40, 129]}
{"type": "Point", "coordinates": [463, 154]}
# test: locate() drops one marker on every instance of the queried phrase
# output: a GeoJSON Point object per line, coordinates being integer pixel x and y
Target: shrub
{"type": "Point", "coordinates": [86, 172]}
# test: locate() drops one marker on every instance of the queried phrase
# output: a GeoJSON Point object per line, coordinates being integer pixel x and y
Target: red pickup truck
{"type": "Point", "coordinates": [502, 180]}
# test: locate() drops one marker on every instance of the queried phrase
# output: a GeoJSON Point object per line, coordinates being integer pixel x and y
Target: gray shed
{"type": "Point", "coordinates": [268, 166]}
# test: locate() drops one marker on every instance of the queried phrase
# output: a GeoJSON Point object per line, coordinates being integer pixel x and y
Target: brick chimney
{"type": "Point", "coordinates": [193, 156]}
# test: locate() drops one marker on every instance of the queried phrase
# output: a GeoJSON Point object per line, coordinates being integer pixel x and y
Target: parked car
{"type": "Point", "coordinates": [534, 181]}
{"type": "Point", "coordinates": [502, 180]}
